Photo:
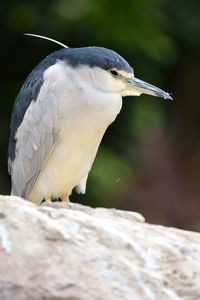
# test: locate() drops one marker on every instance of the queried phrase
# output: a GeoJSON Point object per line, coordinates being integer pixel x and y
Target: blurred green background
{"type": "Point", "coordinates": [149, 160]}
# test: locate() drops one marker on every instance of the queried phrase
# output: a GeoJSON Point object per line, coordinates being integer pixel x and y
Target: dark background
{"type": "Point", "coordinates": [149, 160]}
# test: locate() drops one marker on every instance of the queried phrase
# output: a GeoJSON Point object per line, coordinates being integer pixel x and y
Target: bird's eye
{"type": "Point", "coordinates": [114, 73]}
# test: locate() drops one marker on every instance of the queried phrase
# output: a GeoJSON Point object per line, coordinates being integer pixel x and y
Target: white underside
{"type": "Point", "coordinates": [82, 123]}
{"type": "Point", "coordinates": [68, 164]}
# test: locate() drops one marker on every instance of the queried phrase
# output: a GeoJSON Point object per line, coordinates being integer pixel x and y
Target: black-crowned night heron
{"type": "Point", "coordinates": [60, 116]}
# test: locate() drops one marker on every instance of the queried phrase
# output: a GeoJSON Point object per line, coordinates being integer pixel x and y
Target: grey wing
{"type": "Point", "coordinates": [35, 138]}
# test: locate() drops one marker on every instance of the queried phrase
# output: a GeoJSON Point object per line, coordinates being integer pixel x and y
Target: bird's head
{"type": "Point", "coordinates": [107, 70]}
{"type": "Point", "coordinates": [110, 72]}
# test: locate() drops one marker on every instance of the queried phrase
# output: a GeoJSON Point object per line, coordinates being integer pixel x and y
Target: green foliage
{"type": "Point", "coordinates": [110, 176]}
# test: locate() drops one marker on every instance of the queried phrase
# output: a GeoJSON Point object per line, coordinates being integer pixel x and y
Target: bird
{"type": "Point", "coordinates": [60, 116]}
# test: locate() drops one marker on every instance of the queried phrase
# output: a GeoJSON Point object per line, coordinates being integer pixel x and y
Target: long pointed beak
{"type": "Point", "coordinates": [139, 86]}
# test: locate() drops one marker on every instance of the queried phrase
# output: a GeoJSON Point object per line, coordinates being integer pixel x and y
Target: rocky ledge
{"type": "Point", "coordinates": [73, 252]}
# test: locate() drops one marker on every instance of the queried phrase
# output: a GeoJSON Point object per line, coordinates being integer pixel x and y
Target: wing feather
{"type": "Point", "coordinates": [34, 126]}
{"type": "Point", "coordinates": [35, 138]}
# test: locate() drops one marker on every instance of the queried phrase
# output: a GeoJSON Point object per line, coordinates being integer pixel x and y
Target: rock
{"type": "Point", "coordinates": [73, 252]}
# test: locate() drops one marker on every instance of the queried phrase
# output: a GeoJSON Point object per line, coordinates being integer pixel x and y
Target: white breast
{"type": "Point", "coordinates": [82, 121]}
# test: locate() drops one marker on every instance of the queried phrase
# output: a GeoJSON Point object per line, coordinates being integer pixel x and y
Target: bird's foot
{"type": "Point", "coordinates": [64, 198]}
{"type": "Point", "coordinates": [47, 199]}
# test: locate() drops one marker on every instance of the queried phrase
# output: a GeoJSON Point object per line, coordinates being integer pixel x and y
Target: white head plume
{"type": "Point", "coordinates": [46, 38]}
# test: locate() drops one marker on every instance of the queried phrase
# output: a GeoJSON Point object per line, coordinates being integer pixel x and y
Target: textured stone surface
{"type": "Point", "coordinates": [69, 251]}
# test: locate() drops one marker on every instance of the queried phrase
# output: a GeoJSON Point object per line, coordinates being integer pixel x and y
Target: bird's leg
{"type": "Point", "coordinates": [65, 198]}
